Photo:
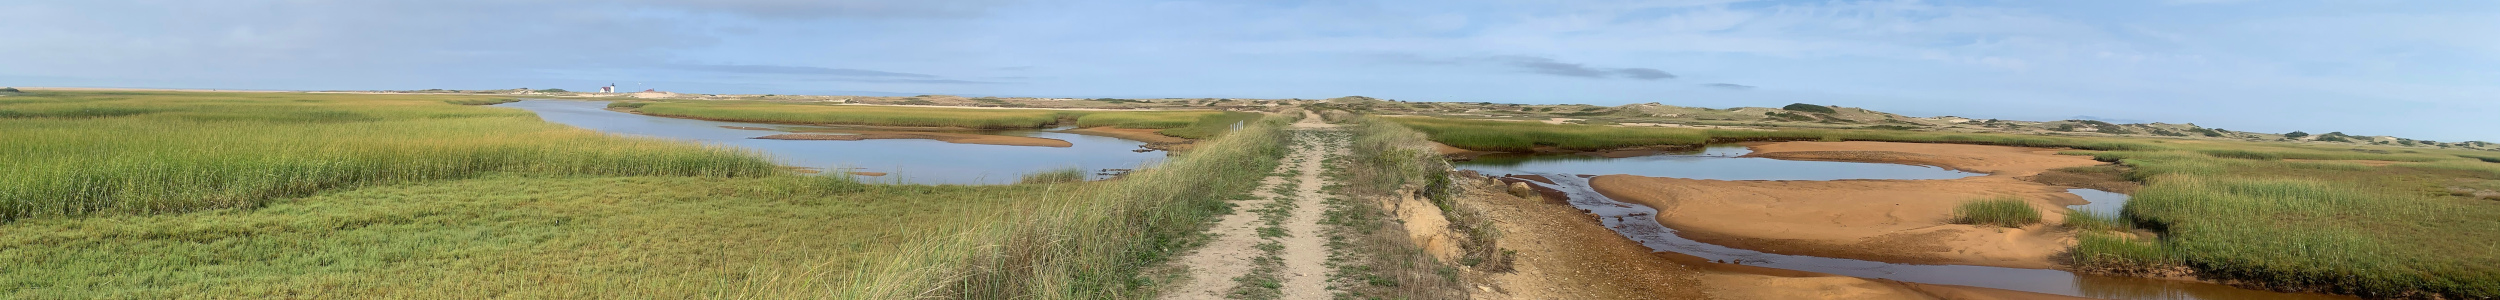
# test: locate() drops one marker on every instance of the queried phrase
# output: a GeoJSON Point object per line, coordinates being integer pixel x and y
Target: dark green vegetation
{"type": "Point", "coordinates": [2001, 212]}
{"type": "Point", "coordinates": [2282, 216]}
{"type": "Point", "coordinates": [10, 90]}
{"type": "Point", "coordinates": [1089, 243]}
{"type": "Point", "coordinates": [79, 153]}
{"type": "Point", "coordinates": [1810, 108]}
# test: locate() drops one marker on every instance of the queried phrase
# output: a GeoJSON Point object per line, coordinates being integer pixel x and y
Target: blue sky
{"type": "Point", "coordinates": [2421, 69]}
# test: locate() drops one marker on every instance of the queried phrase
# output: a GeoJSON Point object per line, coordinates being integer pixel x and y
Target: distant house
{"type": "Point", "coordinates": [610, 89]}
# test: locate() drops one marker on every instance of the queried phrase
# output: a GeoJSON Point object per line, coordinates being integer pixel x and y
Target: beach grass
{"type": "Point", "coordinates": [2002, 212]}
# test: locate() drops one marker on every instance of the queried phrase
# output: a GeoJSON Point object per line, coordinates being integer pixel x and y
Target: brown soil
{"type": "Point", "coordinates": [1456, 153]}
{"type": "Point", "coordinates": [958, 138]}
{"type": "Point", "coordinates": [1902, 221]}
{"type": "Point", "coordinates": [1564, 254]}
{"type": "Point", "coordinates": [1153, 139]}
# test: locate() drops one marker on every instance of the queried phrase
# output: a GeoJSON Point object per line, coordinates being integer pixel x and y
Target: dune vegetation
{"type": "Point", "coordinates": [2278, 215]}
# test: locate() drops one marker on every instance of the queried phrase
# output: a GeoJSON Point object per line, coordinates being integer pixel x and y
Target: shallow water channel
{"type": "Point", "coordinates": [904, 160]}
{"type": "Point", "coordinates": [1723, 163]}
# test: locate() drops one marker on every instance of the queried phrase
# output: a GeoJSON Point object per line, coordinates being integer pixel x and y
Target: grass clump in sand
{"type": "Point", "coordinates": [2008, 212]}
{"type": "Point", "coordinates": [75, 154]}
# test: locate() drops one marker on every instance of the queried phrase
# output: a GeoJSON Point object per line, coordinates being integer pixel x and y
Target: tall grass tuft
{"type": "Point", "coordinates": [2001, 211]}
{"type": "Point", "coordinates": [1091, 245]}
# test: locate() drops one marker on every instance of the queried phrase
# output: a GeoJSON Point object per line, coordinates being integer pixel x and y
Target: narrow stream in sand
{"type": "Point", "coordinates": [903, 160]}
{"type": "Point", "coordinates": [1634, 221]}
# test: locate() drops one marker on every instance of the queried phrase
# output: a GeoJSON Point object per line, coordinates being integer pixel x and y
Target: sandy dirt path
{"type": "Point", "coordinates": [1233, 248]}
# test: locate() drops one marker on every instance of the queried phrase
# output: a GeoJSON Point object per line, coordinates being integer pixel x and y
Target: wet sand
{"type": "Point", "coordinates": [958, 138]}
{"type": "Point", "coordinates": [1153, 140]}
{"type": "Point", "coordinates": [1899, 221]}
{"type": "Point", "coordinates": [1562, 253]}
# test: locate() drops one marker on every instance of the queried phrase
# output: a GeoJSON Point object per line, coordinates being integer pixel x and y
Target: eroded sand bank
{"type": "Point", "coordinates": [1902, 221]}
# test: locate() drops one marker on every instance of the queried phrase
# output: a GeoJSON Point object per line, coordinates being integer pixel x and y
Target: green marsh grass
{"type": "Point", "coordinates": [782, 236]}
{"type": "Point", "coordinates": [1142, 119]}
{"type": "Point", "coordinates": [1212, 124]}
{"type": "Point", "coordinates": [2002, 211]}
{"type": "Point", "coordinates": [168, 152]}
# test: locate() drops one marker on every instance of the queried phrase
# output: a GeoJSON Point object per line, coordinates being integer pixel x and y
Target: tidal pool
{"type": "Point", "coordinates": [1634, 221]}
{"type": "Point", "coordinates": [904, 161]}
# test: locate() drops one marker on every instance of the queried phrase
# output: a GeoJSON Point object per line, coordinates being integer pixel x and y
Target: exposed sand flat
{"type": "Point", "coordinates": [1565, 254]}
{"type": "Point", "coordinates": [1903, 221]}
{"type": "Point", "coordinates": [1134, 134]}
{"type": "Point", "coordinates": [958, 138]}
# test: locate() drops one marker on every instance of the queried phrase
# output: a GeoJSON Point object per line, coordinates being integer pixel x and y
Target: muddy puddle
{"type": "Point", "coordinates": [918, 161]}
{"type": "Point", "coordinates": [1569, 174]}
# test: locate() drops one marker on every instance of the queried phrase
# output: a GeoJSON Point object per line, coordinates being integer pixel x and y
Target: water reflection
{"type": "Point", "coordinates": [905, 161]}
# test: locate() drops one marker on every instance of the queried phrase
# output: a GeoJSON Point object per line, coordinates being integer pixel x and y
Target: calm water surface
{"type": "Point", "coordinates": [905, 161]}
{"type": "Point", "coordinates": [1722, 163]}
